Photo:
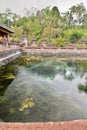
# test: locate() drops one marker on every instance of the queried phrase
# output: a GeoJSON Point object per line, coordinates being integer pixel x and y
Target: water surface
{"type": "Point", "coordinates": [44, 91]}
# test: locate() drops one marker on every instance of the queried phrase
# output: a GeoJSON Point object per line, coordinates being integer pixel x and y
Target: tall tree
{"type": "Point", "coordinates": [76, 14]}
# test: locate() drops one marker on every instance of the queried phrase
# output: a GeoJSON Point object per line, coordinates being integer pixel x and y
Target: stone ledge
{"type": "Point", "coordinates": [69, 125]}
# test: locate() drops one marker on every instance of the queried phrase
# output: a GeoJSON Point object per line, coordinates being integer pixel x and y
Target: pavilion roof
{"type": "Point", "coordinates": [5, 28]}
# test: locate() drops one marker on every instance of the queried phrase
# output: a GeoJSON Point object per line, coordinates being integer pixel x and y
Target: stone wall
{"type": "Point", "coordinates": [8, 56]}
{"type": "Point", "coordinates": [57, 52]}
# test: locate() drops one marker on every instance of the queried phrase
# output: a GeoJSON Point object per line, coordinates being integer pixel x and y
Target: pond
{"type": "Point", "coordinates": [43, 90]}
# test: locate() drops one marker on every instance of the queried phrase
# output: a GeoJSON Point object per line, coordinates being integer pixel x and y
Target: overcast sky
{"type": "Point", "coordinates": [18, 6]}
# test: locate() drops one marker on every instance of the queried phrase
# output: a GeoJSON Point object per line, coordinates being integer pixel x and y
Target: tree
{"type": "Point", "coordinates": [75, 15]}
{"type": "Point", "coordinates": [84, 20]}
{"type": "Point", "coordinates": [35, 29]}
{"type": "Point", "coordinates": [55, 12]}
{"type": "Point", "coordinates": [8, 17]}
{"type": "Point", "coordinates": [17, 33]}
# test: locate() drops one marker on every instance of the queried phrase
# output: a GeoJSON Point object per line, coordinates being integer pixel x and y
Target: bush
{"type": "Point", "coordinates": [75, 36]}
{"type": "Point", "coordinates": [60, 42]}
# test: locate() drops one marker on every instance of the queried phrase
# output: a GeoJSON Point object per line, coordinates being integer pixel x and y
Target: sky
{"type": "Point", "coordinates": [17, 6]}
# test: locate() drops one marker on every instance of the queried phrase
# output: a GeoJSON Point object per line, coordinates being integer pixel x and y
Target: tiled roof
{"type": "Point", "coordinates": [6, 28]}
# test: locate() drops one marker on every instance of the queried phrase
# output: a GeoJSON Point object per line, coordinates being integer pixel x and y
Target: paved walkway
{"type": "Point", "coordinates": [71, 125]}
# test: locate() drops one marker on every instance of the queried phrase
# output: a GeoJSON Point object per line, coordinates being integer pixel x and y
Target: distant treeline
{"type": "Point", "coordinates": [49, 24]}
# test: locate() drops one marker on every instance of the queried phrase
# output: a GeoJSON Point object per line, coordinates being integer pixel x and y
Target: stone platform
{"type": "Point", "coordinates": [71, 125]}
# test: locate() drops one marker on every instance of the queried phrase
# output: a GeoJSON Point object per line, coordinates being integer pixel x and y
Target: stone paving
{"type": "Point", "coordinates": [71, 125]}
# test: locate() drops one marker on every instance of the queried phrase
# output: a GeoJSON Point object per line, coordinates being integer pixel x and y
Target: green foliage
{"type": "Point", "coordinates": [75, 37]}
{"type": "Point", "coordinates": [50, 32]}
{"type": "Point", "coordinates": [35, 29]}
{"type": "Point", "coordinates": [48, 23]}
{"type": "Point", "coordinates": [82, 31]}
{"type": "Point", "coordinates": [82, 87]}
{"type": "Point", "coordinates": [55, 12]}
{"type": "Point", "coordinates": [17, 33]}
{"type": "Point", "coordinates": [22, 21]}
{"type": "Point", "coordinates": [59, 42]}
{"type": "Point", "coordinates": [76, 15]}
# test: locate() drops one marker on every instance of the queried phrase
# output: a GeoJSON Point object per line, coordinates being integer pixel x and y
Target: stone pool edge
{"type": "Point", "coordinates": [66, 125]}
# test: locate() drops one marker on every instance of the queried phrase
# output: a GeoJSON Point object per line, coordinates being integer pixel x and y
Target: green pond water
{"type": "Point", "coordinates": [43, 90]}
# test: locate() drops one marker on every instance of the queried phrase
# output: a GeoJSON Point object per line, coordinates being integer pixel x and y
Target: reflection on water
{"type": "Point", "coordinates": [47, 91]}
